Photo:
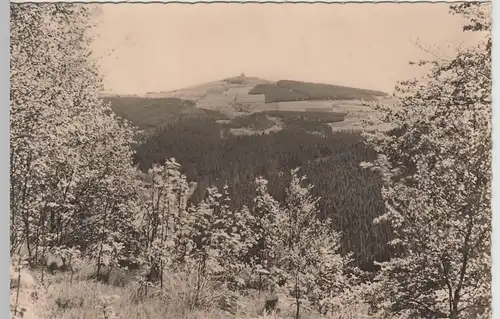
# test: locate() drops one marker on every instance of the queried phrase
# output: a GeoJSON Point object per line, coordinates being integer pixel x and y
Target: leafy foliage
{"type": "Point", "coordinates": [286, 243]}
{"type": "Point", "coordinates": [437, 172]}
{"type": "Point", "coordinates": [308, 251]}
{"type": "Point", "coordinates": [70, 156]}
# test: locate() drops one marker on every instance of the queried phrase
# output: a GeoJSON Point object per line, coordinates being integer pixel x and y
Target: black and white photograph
{"type": "Point", "coordinates": [250, 160]}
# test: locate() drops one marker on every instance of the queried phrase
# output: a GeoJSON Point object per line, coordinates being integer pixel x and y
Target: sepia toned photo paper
{"type": "Point", "coordinates": [250, 160]}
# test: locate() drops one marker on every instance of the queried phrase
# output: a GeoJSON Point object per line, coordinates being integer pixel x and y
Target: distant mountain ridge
{"type": "Point", "coordinates": [239, 96]}
{"type": "Point", "coordinates": [274, 91]}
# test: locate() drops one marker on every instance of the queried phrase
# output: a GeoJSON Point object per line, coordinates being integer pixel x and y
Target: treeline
{"type": "Point", "coordinates": [256, 121]}
{"type": "Point", "coordinates": [321, 117]}
{"type": "Point", "coordinates": [286, 90]}
{"type": "Point", "coordinates": [349, 194]}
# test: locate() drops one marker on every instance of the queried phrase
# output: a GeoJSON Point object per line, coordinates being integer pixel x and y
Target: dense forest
{"type": "Point", "coordinates": [286, 90]}
{"type": "Point", "coordinates": [349, 194]}
{"type": "Point", "coordinates": [211, 156]}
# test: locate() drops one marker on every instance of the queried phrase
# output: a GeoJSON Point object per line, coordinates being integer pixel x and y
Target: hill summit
{"type": "Point", "coordinates": [274, 91]}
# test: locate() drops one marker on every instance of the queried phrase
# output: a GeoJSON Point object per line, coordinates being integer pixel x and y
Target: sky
{"type": "Point", "coordinates": [160, 47]}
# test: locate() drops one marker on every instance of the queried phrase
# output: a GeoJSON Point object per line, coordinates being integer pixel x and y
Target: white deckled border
{"type": "Point", "coordinates": [250, 1]}
{"type": "Point", "coordinates": [4, 94]}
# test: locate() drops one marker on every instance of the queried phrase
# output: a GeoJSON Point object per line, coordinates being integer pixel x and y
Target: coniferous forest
{"type": "Point", "coordinates": [350, 195]}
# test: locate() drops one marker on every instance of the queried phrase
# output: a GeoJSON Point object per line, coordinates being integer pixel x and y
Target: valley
{"type": "Point", "coordinates": [222, 134]}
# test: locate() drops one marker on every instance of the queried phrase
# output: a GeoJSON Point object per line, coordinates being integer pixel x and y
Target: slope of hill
{"type": "Point", "coordinates": [197, 92]}
{"type": "Point", "coordinates": [229, 96]}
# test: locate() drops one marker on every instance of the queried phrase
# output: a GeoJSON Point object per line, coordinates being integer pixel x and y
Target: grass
{"type": "Point", "coordinates": [64, 297]}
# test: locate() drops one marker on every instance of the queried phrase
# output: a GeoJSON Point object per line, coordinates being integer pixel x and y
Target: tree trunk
{"type": "Point", "coordinates": [28, 243]}
{"type": "Point", "coordinates": [297, 297]}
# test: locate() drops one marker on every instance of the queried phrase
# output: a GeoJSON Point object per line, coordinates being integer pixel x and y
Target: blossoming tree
{"type": "Point", "coordinates": [70, 156]}
{"type": "Point", "coordinates": [436, 165]}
